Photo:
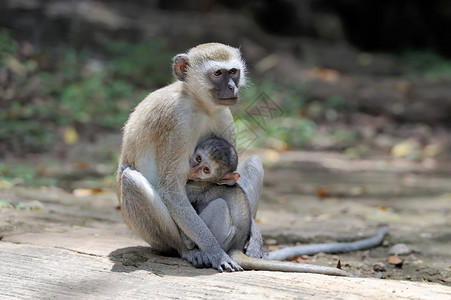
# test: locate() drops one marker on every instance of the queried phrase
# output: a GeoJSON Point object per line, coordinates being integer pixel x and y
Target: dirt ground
{"type": "Point", "coordinates": [308, 197]}
{"type": "Point", "coordinates": [325, 197]}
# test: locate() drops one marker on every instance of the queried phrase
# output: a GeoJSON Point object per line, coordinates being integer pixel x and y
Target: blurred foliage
{"type": "Point", "coordinates": [42, 91]}
{"type": "Point", "coordinates": [425, 64]}
{"type": "Point", "coordinates": [297, 123]}
{"type": "Point", "coordinates": [51, 95]}
{"type": "Point", "coordinates": [22, 174]}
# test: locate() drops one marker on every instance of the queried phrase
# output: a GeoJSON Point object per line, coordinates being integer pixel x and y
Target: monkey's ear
{"type": "Point", "coordinates": [180, 63]}
{"type": "Point", "coordinates": [230, 178]}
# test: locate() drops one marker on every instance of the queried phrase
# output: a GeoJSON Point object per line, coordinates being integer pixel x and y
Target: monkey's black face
{"type": "Point", "coordinates": [225, 85]}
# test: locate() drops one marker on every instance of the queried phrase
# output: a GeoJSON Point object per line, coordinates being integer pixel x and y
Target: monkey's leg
{"type": "Point", "coordinates": [146, 214]}
{"type": "Point", "coordinates": [251, 180]}
{"type": "Point", "coordinates": [217, 218]}
{"type": "Point", "coordinates": [254, 247]}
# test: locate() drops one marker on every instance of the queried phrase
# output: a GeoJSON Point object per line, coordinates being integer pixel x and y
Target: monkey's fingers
{"type": "Point", "coordinates": [231, 266]}
{"type": "Point", "coordinates": [198, 258]}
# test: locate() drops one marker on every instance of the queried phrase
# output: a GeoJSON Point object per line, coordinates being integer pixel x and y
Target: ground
{"type": "Point", "coordinates": [73, 242]}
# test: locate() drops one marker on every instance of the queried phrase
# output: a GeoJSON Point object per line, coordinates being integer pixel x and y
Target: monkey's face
{"type": "Point", "coordinates": [213, 73]}
{"type": "Point", "coordinates": [201, 168]}
{"type": "Point", "coordinates": [225, 83]}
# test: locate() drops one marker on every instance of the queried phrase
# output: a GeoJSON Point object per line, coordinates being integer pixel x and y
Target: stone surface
{"type": "Point", "coordinates": [57, 245]}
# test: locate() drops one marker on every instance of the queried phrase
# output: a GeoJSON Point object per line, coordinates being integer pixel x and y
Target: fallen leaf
{"type": "Point", "coordinates": [445, 279]}
{"type": "Point", "coordinates": [87, 192]}
{"type": "Point", "coordinates": [81, 165]}
{"type": "Point", "coordinates": [432, 150]}
{"type": "Point", "coordinates": [325, 74]}
{"type": "Point", "coordinates": [382, 207]}
{"type": "Point", "coordinates": [402, 149]}
{"type": "Point", "coordinates": [321, 193]}
{"type": "Point", "coordinates": [271, 155]}
{"type": "Point", "coordinates": [1, 237]}
{"type": "Point", "coordinates": [70, 135]}
{"type": "Point", "coordinates": [4, 184]}
{"type": "Point", "coordinates": [395, 260]}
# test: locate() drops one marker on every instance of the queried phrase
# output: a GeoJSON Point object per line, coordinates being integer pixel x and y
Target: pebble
{"type": "Point", "coordinates": [402, 249]}
{"type": "Point", "coordinates": [379, 267]}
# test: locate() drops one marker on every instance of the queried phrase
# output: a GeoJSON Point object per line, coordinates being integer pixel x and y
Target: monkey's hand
{"type": "Point", "coordinates": [219, 261]}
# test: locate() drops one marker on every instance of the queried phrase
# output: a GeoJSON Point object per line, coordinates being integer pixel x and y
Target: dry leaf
{"type": "Point", "coordinates": [271, 155]}
{"type": "Point", "coordinates": [432, 150]}
{"type": "Point", "coordinates": [1, 237]}
{"type": "Point", "coordinates": [81, 165]}
{"type": "Point", "coordinates": [321, 193]}
{"type": "Point", "coordinates": [382, 207]}
{"type": "Point", "coordinates": [325, 74]}
{"type": "Point", "coordinates": [395, 260]}
{"type": "Point", "coordinates": [87, 192]}
{"type": "Point", "coordinates": [4, 184]}
{"type": "Point", "coordinates": [299, 258]}
{"type": "Point", "coordinates": [403, 149]}
{"type": "Point", "coordinates": [70, 135]}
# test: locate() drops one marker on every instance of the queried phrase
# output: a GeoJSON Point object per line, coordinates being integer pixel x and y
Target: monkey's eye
{"type": "Point", "coordinates": [217, 73]}
{"type": "Point", "coordinates": [232, 71]}
{"type": "Point", "coordinates": [206, 170]}
{"type": "Point", "coordinates": [198, 158]}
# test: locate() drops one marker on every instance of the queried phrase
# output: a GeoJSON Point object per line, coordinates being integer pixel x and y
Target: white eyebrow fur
{"type": "Point", "coordinates": [234, 63]}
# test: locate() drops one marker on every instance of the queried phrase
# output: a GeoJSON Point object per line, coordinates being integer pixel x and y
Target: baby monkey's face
{"type": "Point", "coordinates": [204, 168]}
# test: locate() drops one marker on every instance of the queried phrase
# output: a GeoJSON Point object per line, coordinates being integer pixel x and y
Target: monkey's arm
{"type": "Point", "coordinates": [173, 193]}
{"type": "Point", "coordinates": [290, 252]}
{"type": "Point", "coordinates": [250, 263]}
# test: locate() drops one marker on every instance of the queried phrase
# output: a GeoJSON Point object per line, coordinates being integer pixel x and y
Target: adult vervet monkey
{"type": "Point", "coordinates": [159, 138]}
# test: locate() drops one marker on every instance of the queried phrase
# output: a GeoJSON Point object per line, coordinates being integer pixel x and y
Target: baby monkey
{"type": "Point", "coordinates": [220, 202]}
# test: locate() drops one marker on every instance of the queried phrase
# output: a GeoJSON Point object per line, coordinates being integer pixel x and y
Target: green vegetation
{"type": "Point", "coordinates": [43, 91]}
{"type": "Point", "coordinates": [22, 174]}
{"type": "Point", "coordinates": [426, 64]}
{"type": "Point", "coordinates": [50, 96]}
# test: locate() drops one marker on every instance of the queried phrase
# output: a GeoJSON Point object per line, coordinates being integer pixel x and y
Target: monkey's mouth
{"type": "Point", "coordinates": [227, 101]}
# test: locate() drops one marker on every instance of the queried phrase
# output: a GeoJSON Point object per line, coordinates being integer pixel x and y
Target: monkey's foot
{"type": "Point", "coordinates": [126, 166]}
{"type": "Point", "coordinates": [256, 252]}
{"type": "Point", "coordinates": [202, 259]}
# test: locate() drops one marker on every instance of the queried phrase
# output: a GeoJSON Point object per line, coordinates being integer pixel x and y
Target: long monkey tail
{"type": "Point", "coordinates": [250, 263]}
{"type": "Point", "coordinates": [370, 242]}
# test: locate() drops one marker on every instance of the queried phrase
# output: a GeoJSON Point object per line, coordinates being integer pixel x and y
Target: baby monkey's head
{"type": "Point", "coordinates": [215, 160]}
